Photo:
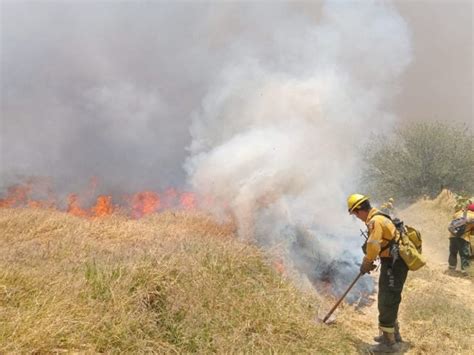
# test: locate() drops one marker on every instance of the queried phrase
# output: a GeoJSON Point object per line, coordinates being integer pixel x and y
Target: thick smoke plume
{"type": "Point", "coordinates": [277, 138]}
{"type": "Point", "coordinates": [104, 89]}
{"type": "Point", "coordinates": [272, 101]}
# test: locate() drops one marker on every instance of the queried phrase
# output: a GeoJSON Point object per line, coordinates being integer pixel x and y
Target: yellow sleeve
{"type": "Point", "coordinates": [375, 240]}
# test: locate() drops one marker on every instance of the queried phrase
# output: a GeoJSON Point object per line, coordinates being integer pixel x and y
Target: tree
{"type": "Point", "coordinates": [421, 159]}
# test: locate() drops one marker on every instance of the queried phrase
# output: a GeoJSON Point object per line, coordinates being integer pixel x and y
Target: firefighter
{"type": "Point", "coordinates": [461, 242]}
{"type": "Point", "coordinates": [393, 272]}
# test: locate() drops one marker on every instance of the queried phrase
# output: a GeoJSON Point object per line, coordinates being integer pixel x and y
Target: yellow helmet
{"type": "Point", "coordinates": [354, 201]}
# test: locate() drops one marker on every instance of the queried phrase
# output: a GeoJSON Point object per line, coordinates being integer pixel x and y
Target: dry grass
{"type": "Point", "coordinates": [438, 313]}
{"type": "Point", "coordinates": [180, 283]}
{"type": "Point", "coordinates": [169, 283]}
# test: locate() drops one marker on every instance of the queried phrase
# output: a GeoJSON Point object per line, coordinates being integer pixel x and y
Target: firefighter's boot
{"type": "Point", "coordinates": [387, 345]}
{"type": "Point", "coordinates": [398, 337]}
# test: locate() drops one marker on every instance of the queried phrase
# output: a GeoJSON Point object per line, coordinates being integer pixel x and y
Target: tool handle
{"type": "Point", "coordinates": [342, 297]}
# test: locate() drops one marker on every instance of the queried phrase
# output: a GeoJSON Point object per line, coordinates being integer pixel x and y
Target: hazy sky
{"type": "Point", "coordinates": [111, 88]}
{"type": "Point", "coordinates": [439, 83]}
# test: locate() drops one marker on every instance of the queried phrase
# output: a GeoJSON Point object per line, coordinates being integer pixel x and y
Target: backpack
{"type": "Point", "coordinates": [457, 227]}
{"type": "Point", "coordinates": [409, 244]}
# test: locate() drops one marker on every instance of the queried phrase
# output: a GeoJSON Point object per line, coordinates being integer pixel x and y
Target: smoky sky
{"type": "Point", "coordinates": [110, 89]}
{"type": "Point", "coordinates": [103, 89]}
{"type": "Point", "coordinates": [438, 85]}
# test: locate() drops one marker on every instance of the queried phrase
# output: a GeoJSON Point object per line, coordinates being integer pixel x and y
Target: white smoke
{"type": "Point", "coordinates": [277, 139]}
{"type": "Point", "coordinates": [273, 100]}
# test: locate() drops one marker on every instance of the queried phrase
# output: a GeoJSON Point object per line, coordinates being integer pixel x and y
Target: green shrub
{"type": "Point", "coordinates": [420, 159]}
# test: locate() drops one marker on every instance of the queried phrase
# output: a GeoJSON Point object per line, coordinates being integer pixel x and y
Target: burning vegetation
{"type": "Point", "coordinates": [39, 193]}
{"type": "Point", "coordinates": [301, 257]}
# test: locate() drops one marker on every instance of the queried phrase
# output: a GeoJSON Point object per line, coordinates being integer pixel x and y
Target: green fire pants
{"type": "Point", "coordinates": [391, 281]}
{"type": "Point", "coordinates": [461, 246]}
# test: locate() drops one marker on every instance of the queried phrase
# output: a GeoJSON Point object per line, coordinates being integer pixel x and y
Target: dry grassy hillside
{"type": "Point", "coordinates": [173, 282]}
{"type": "Point", "coordinates": [179, 282]}
{"type": "Point", "coordinates": [447, 298]}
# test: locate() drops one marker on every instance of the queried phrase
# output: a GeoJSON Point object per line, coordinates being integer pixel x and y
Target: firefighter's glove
{"type": "Point", "coordinates": [367, 266]}
{"type": "Point", "coordinates": [364, 248]}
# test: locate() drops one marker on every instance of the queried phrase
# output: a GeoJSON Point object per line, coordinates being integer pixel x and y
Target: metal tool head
{"type": "Point", "coordinates": [322, 314]}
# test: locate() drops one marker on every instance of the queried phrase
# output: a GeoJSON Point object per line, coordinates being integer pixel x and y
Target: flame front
{"type": "Point", "coordinates": [103, 207]}
{"type": "Point", "coordinates": [136, 205]}
{"type": "Point", "coordinates": [188, 200]}
{"type": "Point", "coordinates": [17, 195]}
{"type": "Point", "coordinates": [144, 203]}
{"type": "Point", "coordinates": [74, 206]}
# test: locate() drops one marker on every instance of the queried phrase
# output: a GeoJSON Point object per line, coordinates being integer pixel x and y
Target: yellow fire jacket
{"type": "Point", "coordinates": [381, 231]}
{"type": "Point", "coordinates": [469, 227]}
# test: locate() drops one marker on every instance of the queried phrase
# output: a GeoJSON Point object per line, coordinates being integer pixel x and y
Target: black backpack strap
{"type": "Point", "coordinates": [379, 213]}
{"type": "Point", "coordinates": [396, 222]}
{"type": "Point", "coordinates": [389, 244]}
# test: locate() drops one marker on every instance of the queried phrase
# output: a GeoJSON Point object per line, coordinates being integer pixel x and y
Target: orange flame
{"type": "Point", "coordinates": [16, 195]}
{"type": "Point", "coordinates": [144, 203]}
{"type": "Point", "coordinates": [103, 206]}
{"type": "Point", "coordinates": [74, 206]}
{"type": "Point", "coordinates": [38, 193]}
{"type": "Point", "coordinates": [188, 200]}
{"type": "Point", "coordinates": [279, 266]}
